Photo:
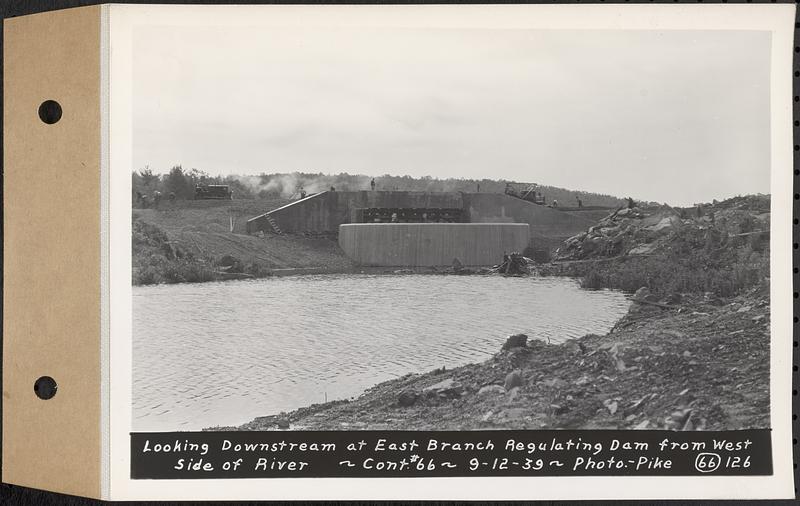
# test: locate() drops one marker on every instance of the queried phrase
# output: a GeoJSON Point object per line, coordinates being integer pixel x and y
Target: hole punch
{"type": "Point", "coordinates": [45, 387]}
{"type": "Point", "coordinates": [50, 112]}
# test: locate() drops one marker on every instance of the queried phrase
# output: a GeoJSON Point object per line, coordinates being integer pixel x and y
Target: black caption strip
{"type": "Point", "coordinates": [373, 454]}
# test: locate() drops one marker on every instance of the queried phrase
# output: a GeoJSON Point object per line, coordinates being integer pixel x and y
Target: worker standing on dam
{"type": "Point", "coordinates": [372, 184]}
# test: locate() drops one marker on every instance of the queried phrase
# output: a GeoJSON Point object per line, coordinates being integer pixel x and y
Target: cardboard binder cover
{"type": "Point", "coordinates": [51, 298]}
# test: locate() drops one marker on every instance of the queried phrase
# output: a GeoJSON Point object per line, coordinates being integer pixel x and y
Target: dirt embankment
{"type": "Point", "coordinates": [691, 354]}
{"type": "Point", "coordinates": [720, 248]}
{"type": "Point", "coordinates": [193, 241]}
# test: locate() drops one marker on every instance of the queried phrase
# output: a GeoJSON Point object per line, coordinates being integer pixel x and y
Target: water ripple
{"type": "Point", "coordinates": [224, 353]}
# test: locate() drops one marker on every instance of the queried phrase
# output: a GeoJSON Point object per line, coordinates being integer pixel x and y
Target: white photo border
{"type": "Point", "coordinates": [776, 18]}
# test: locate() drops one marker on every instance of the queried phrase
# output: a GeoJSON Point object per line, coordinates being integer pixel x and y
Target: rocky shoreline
{"type": "Point", "coordinates": [700, 364]}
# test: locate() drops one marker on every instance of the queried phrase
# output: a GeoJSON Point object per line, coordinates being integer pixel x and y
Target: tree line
{"type": "Point", "coordinates": [182, 183]}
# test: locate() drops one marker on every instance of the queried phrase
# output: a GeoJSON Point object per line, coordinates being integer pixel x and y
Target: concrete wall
{"type": "Point", "coordinates": [324, 212]}
{"type": "Point", "coordinates": [593, 215]}
{"type": "Point", "coordinates": [543, 221]}
{"type": "Point", "coordinates": [431, 244]}
{"type": "Point", "coordinates": [311, 214]}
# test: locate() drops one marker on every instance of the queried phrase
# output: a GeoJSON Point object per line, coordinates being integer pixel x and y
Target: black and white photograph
{"type": "Point", "coordinates": [419, 228]}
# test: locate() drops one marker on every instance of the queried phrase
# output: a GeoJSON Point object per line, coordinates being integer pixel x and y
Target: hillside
{"type": "Point", "coordinates": [185, 240]}
{"type": "Point", "coordinates": [191, 241]}
{"type": "Point", "coordinates": [287, 185]}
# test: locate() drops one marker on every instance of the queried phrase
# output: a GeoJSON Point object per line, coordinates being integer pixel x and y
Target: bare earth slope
{"type": "Point", "coordinates": [192, 241]}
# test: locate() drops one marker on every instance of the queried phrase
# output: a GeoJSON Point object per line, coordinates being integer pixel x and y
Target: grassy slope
{"type": "Point", "coordinates": [200, 232]}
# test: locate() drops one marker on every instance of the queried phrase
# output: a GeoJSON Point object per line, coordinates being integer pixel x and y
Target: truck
{"type": "Point", "coordinates": [525, 191]}
{"type": "Point", "coordinates": [212, 191]}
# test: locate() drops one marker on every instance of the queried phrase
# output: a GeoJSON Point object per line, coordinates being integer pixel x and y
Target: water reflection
{"type": "Point", "coordinates": [223, 353]}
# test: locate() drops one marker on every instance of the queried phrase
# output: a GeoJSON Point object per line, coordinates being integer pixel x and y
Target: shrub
{"type": "Point", "coordinates": [146, 275]}
{"type": "Point", "coordinates": [231, 264]}
{"type": "Point", "coordinates": [257, 270]}
{"type": "Point", "coordinates": [156, 259]}
{"type": "Point", "coordinates": [195, 272]}
{"type": "Point", "coordinates": [699, 272]}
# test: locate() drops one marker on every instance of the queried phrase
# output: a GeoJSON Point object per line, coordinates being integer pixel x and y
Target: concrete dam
{"type": "Point", "coordinates": [476, 228]}
{"type": "Point", "coordinates": [431, 244]}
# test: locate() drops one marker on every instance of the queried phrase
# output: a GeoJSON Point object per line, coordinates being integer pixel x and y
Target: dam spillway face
{"type": "Point", "coordinates": [431, 244]}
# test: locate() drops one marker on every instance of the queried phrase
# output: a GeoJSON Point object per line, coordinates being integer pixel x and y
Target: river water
{"type": "Point", "coordinates": [224, 353]}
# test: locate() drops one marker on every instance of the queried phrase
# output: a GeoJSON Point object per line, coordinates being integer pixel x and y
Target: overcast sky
{"type": "Point", "coordinates": [674, 116]}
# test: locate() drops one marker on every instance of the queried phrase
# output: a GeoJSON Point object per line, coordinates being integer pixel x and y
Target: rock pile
{"type": "Point", "coordinates": [644, 231]}
{"type": "Point", "coordinates": [446, 389]}
{"type": "Point", "coordinates": [627, 231]}
{"type": "Point", "coordinates": [515, 341]}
